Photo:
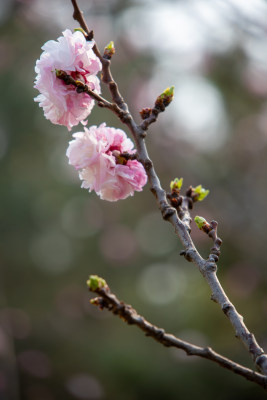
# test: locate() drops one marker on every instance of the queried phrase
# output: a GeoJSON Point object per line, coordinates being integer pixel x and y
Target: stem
{"type": "Point", "coordinates": [78, 16]}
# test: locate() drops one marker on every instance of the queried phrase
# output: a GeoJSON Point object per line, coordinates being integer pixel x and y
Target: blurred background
{"type": "Point", "coordinates": [53, 343]}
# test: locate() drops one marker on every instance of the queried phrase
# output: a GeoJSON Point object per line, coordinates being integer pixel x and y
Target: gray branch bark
{"type": "Point", "coordinates": [207, 268]}
{"type": "Point", "coordinates": [128, 314]}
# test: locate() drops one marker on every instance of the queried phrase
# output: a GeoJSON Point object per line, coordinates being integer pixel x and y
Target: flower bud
{"type": "Point", "coordinates": [169, 92]}
{"type": "Point", "coordinates": [165, 98]}
{"type": "Point", "coordinates": [145, 112]}
{"type": "Point", "coordinates": [109, 50]}
{"type": "Point", "coordinates": [95, 282]}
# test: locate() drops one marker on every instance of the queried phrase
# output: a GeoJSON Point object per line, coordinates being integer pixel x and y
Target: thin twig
{"type": "Point", "coordinates": [215, 251]}
{"type": "Point", "coordinates": [151, 117]}
{"type": "Point", "coordinates": [101, 101]}
{"type": "Point", "coordinates": [78, 16]}
{"type": "Point", "coordinates": [207, 268]}
{"type": "Point", "coordinates": [106, 73]}
{"type": "Point", "coordinates": [128, 314]}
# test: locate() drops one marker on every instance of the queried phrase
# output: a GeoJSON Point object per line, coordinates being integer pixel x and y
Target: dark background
{"type": "Point", "coordinates": [53, 343]}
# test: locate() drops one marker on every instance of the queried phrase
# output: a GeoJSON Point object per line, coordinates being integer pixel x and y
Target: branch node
{"type": "Point", "coordinates": [188, 254]}
{"type": "Point", "coordinates": [226, 307]}
{"type": "Point", "coordinates": [167, 212]}
{"type": "Point", "coordinates": [160, 333]}
{"type": "Point", "coordinates": [214, 224]}
{"type": "Point", "coordinates": [218, 241]}
{"type": "Point", "coordinates": [213, 258]}
{"type": "Point", "coordinates": [153, 190]}
{"type": "Point", "coordinates": [112, 84]}
{"type": "Point", "coordinates": [211, 266]}
{"type": "Point", "coordinates": [143, 134]}
{"type": "Point", "coordinates": [213, 298]}
{"type": "Point", "coordinates": [148, 165]}
{"type": "Point", "coordinates": [124, 117]}
{"type": "Point", "coordinates": [207, 350]}
{"type": "Point", "coordinates": [261, 363]}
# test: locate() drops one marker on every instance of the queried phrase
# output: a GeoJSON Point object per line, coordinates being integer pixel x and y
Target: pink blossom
{"type": "Point", "coordinates": [97, 153]}
{"type": "Point", "coordinates": [73, 54]}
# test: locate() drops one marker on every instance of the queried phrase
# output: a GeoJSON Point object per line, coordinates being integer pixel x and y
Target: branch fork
{"type": "Point", "coordinates": [107, 300]}
{"type": "Point", "coordinates": [179, 216]}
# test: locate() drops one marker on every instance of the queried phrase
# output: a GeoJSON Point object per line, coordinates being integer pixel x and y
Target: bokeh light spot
{"type": "Point", "coordinates": [118, 244]}
{"type": "Point", "coordinates": [161, 283]}
{"type": "Point", "coordinates": [198, 109]}
{"type": "Point", "coordinates": [70, 301]}
{"type": "Point", "coordinates": [82, 217]}
{"type": "Point", "coordinates": [39, 392]}
{"type": "Point", "coordinates": [4, 343]}
{"type": "Point", "coordinates": [84, 386]}
{"type": "Point", "coordinates": [15, 322]}
{"type": "Point", "coordinates": [3, 143]}
{"type": "Point", "coordinates": [52, 252]}
{"type": "Point", "coordinates": [35, 363]}
{"type": "Point", "coordinates": [243, 279]}
{"type": "Point", "coordinates": [155, 237]}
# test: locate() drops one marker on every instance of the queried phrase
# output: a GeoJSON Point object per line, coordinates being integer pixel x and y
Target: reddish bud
{"type": "Point", "coordinates": [145, 113]}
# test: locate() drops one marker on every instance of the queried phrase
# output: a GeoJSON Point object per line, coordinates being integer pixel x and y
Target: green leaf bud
{"type": "Point", "coordinates": [201, 222]}
{"type": "Point", "coordinates": [176, 184]}
{"type": "Point", "coordinates": [169, 92]}
{"type": "Point", "coordinates": [200, 193]}
{"type": "Point", "coordinates": [109, 50]}
{"type": "Point", "coordinates": [95, 282]}
{"type": "Point", "coordinates": [165, 98]}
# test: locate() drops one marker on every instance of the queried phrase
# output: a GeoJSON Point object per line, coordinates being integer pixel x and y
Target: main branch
{"type": "Point", "coordinates": [207, 268]}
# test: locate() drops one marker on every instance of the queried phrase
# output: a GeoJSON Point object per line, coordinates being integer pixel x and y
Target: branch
{"type": "Point", "coordinates": [78, 16]}
{"type": "Point", "coordinates": [106, 73]}
{"type": "Point", "coordinates": [207, 268]}
{"type": "Point", "coordinates": [150, 115]}
{"type": "Point", "coordinates": [83, 88]}
{"type": "Point", "coordinates": [211, 230]}
{"type": "Point", "coordinates": [128, 314]}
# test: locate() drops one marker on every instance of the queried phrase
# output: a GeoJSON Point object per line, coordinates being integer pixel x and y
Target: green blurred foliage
{"type": "Point", "coordinates": [53, 343]}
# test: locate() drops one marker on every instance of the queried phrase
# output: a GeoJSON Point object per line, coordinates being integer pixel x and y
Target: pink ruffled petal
{"type": "Point", "coordinates": [73, 54]}
{"type": "Point", "coordinates": [91, 153]}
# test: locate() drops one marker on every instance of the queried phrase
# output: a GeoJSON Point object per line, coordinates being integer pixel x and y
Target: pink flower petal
{"type": "Point", "coordinates": [91, 153]}
{"type": "Point", "coordinates": [73, 54]}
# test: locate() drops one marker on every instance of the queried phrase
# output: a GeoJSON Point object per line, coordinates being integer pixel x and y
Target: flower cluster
{"type": "Point", "coordinates": [73, 54]}
{"type": "Point", "coordinates": [104, 156]}
{"type": "Point", "coordinates": [98, 153]}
